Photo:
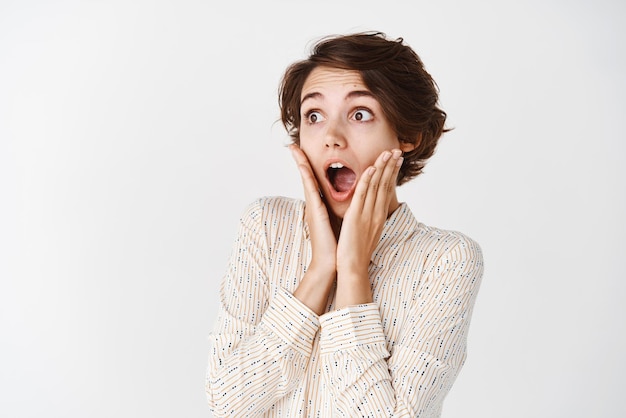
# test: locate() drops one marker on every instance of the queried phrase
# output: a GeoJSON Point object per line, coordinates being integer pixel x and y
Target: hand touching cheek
{"type": "Point", "coordinates": [374, 199]}
{"type": "Point", "coordinates": [317, 283]}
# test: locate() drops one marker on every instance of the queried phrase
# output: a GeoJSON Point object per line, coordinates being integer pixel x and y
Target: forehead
{"type": "Point", "coordinates": [326, 80]}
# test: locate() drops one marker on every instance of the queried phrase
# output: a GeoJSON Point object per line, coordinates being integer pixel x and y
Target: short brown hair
{"type": "Point", "coordinates": [395, 75]}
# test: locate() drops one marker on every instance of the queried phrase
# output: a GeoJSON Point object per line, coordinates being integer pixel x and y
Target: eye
{"type": "Point", "coordinates": [363, 115]}
{"type": "Point", "coordinates": [313, 116]}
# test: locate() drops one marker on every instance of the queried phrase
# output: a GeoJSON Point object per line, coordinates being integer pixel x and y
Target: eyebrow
{"type": "Point", "coordinates": [351, 95]}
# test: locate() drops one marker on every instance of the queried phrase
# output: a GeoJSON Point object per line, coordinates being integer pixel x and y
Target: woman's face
{"type": "Point", "coordinates": [342, 132]}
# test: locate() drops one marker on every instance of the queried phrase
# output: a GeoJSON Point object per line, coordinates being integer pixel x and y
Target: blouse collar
{"type": "Point", "coordinates": [399, 227]}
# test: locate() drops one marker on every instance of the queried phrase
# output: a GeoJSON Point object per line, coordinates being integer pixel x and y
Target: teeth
{"type": "Point", "coordinates": [336, 165]}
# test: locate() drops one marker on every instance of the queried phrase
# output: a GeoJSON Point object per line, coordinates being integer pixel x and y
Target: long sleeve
{"type": "Point", "coordinates": [369, 377]}
{"type": "Point", "coordinates": [262, 340]}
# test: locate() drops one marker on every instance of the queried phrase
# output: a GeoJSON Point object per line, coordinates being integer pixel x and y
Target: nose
{"type": "Point", "coordinates": [335, 135]}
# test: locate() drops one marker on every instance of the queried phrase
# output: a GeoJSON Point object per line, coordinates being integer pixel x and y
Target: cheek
{"type": "Point", "coordinates": [307, 145]}
{"type": "Point", "coordinates": [310, 156]}
{"type": "Point", "coordinates": [305, 148]}
{"type": "Point", "coordinates": [303, 139]}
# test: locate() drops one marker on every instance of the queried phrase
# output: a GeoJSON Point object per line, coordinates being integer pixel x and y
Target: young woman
{"type": "Point", "coordinates": [344, 304]}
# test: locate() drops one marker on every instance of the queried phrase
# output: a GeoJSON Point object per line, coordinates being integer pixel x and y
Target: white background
{"type": "Point", "coordinates": [134, 133]}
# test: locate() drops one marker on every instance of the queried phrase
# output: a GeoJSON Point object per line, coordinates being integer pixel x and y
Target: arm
{"type": "Point", "coordinates": [373, 201]}
{"type": "Point", "coordinates": [317, 282]}
{"type": "Point", "coordinates": [262, 341]}
{"type": "Point", "coordinates": [414, 379]}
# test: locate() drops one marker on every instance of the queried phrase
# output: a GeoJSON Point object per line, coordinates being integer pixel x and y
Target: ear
{"type": "Point", "coordinates": [408, 146]}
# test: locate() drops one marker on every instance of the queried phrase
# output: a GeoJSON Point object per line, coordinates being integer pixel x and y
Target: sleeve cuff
{"type": "Point", "coordinates": [292, 321]}
{"type": "Point", "coordinates": [352, 327]}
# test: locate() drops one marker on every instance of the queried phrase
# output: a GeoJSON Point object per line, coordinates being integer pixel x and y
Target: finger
{"type": "Point", "coordinates": [382, 186]}
{"type": "Point", "coordinates": [306, 172]}
{"type": "Point", "coordinates": [309, 182]}
{"type": "Point", "coordinates": [367, 185]}
{"type": "Point", "coordinates": [388, 178]}
{"type": "Point", "coordinates": [362, 189]}
{"type": "Point", "coordinates": [377, 190]}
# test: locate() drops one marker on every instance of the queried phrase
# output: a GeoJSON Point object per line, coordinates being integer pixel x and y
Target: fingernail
{"type": "Point", "coordinates": [370, 171]}
{"type": "Point", "coordinates": [396, 153]}
{"type": "Point", "coordinates": [386, 156]}
{"type": "Point", "coordinates": [399, 162]}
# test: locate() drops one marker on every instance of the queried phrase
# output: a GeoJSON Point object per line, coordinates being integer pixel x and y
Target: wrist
{"type": "Point", "coordinates": [353, 288]}
{"type": "Point", "coordinates": [322, 270]}
{"type": "Point", "coordinates": [353, 272]}
{"type": "Point", "coordinates": [314, 289]}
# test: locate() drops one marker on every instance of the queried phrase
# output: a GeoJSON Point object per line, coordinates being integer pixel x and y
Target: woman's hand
{"type": "Point", "coordinates": [317, 283]}
{"type": "Point", "coordinates": [361, 228]}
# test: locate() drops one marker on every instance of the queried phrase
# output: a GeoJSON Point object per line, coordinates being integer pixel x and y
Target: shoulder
{"type": "Point", "coordinates": [445, 240]}
{"type": "Point", "coordinates": [439, 250]}
{"type": "Point", "coordinates": [426, 239]}
{"type": "Point", "coordinates": [269, 210]}
{"type": "Point", "coordinates": [452, 253]}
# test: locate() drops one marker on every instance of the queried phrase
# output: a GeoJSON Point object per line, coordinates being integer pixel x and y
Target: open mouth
{"type": "Point", "coordinates": [341, 178]}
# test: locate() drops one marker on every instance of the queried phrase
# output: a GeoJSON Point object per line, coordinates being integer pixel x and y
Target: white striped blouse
{"type": "Point", "coordinates": [271, 356]}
